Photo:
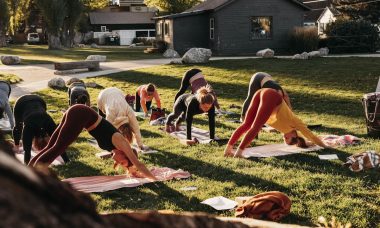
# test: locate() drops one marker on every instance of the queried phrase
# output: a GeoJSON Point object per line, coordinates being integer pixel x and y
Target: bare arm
{"type": "Point", "coordinates": [121, 144]}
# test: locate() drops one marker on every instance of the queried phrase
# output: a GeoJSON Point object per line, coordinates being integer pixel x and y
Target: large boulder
{"type": "Point", "coordinates": [72, 80]}
{"type": "Point", "coordinates": [197, 55]}
{"type": "Point", "coordinates": [171, 53]}
{"type": "Point", "coordinates": [324, 51]}
{"type": "Point", "coordinates": [265, 53]}
{"type": "Point", "coordinates": [94, 45]}
{"type": "Point", "coordinates": [57, 83]}
{"type": "Point", "coordinates": [92, 85]}
{"type": "Point", "coordinates": [314, 54]}
{"type": "Point", "coordinates": [10, 59]}
{"type": "Point", "coordinates": [100, 58]}
{"type": "Point", "coordinates": [303, 56]}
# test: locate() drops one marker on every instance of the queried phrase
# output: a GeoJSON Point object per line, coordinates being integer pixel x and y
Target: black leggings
{"type": "Point", "coordinates": [138, 105]}
{"type": "Point", "coordinates": [179, 112]}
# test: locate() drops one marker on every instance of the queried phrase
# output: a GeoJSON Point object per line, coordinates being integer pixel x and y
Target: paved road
{"type": "Point", "coordinates": [35, 77]}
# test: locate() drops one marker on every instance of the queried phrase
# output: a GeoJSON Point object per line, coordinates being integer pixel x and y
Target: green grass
{"type": "Point", "coordinates": [11, 78]}
{"type": "Point", "coordinates": [38, 54]}
{"type": "Point", "coordinates": [326, 91]}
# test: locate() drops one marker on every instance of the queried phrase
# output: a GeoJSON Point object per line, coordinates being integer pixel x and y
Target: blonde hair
{"type": "Point", "coordinates": [205, 95]}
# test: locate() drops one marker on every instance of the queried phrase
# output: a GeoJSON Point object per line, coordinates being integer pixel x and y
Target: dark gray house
{"type": "Point", "coordinates": [232, 27]}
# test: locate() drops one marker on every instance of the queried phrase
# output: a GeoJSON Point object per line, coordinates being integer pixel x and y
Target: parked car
{"type": "Point", "coordinates": [33, 38]}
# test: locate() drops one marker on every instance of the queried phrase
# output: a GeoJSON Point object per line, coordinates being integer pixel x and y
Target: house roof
{"type": "Point", "coordinates": [313, 15]}
{"type": "Point", "coordinates": [332, 10]}
{"type": "Point", "coordinates": [107, 18]}
{"type": "Point", "coordinates": [214, 5]}
{"type": "Point", "coordinates": [317, 4]}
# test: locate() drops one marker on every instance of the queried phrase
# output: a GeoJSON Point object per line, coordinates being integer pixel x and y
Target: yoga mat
{"type": "Point", "coordinates": [108, 183]}
{"type": "Point", "coordinates": [5, 126]}
{"type": "Point", "coordinates": [56, 162]}
{"type": "Point", "coordinates": [140, 115]}
{"type": "Point", "coordinates": [203, 136]}
{"type": "Point", "coordinates": [276, 150]}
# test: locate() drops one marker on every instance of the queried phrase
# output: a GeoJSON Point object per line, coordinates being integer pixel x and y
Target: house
{"type": "Point", "coordinates": [328, 15]}
{"type": "Point", "coordinates": [232, 27]}
{"type": "Point", "coordinates": [127, 21]}
{"type": "Point", "coordinates": [317, 7]}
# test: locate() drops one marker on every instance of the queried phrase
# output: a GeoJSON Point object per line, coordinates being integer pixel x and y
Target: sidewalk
{"type": "Point", "coordinates": [36, 77]}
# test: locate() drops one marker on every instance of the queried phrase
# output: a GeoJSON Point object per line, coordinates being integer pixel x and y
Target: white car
{"type": "Point", "coordinates": [33, 38]}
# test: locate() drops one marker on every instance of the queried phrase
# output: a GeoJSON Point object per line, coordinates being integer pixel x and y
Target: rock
{"type": "Point", "coordinates": [100, 58]}
{"type": "Point", "coordinates": [171, 53]}
{"type": "Point", "coordinates": [314, 54]}
{"type": "Point", "coordinates": [57, 83]}
{"type": "Point", "coordinates": [10, 59]}
{"type": "Point", "coordinates": [94, 45]}
{"type": "Point", "coordinates": [92, 85]}
{"type": "Point", "coordinates": [301, 56]}
{"type": "Point", "coordinates": [197, 55]}
{"type": "Point", "coordinates": [265, 53]}
{"type": "Point", "coordinates": [176, 62]}
{"type": "Point", "coordinates": [324, 51]}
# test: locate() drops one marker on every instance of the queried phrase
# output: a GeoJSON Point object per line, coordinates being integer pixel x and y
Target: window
{"type": "Point", "coordinates": [261, 28]}
{"type": "Point", "coordinates": [212, 28]}
{"type": "Point", "coordinates": [152, 33]}
{"type": "Point", "coordinates": [103, 28]}
{"type": "Point", "coordinates": [166, 29]}
{"type": "Point", "coordinates": [141, 33]}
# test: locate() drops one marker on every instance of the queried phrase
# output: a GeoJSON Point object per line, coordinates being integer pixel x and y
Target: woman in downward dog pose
{"type": "Point", "coordinates": [113, 107]}
{"type": "Point", "coordinates": [195, 80]}
{"type": "Point", "coordinates": [268, 106]}
{"type": "Point", "coordinates": [258, 81]}
{"type": "Point", "coordinates": [81, 116]}
{"type": "Point", "coordinates": [188, 105]}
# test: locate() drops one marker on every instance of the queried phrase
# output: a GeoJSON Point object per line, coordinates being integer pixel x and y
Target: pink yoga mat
{"type": "Point", "coordinates": [275, 150]}
{"type": "Point", "coordinates": [108, 183]}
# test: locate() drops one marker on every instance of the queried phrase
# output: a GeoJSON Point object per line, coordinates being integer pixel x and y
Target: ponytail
{"type": "Point", "coordinates": [205, 95]}
{"type": "Point", "coordinates": [126, 131]}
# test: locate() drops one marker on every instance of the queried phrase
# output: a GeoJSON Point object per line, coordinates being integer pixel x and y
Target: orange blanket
{"type": "Point", "coordinates": [269, 205]}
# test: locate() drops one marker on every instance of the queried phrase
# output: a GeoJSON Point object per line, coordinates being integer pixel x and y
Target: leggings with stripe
{"type": "Point", "coordinates": [262, 105]}
{"type": "Point", "coordinates": [76, 118]}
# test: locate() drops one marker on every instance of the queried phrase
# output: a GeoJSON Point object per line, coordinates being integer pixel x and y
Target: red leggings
{"type": "Point", "coordinates": [262, 105]}
{"type": "Point", "coordinates": [76, 118]}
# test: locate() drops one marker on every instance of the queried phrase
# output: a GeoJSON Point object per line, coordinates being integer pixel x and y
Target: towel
{"type": "Point", "coordinates": [269, 205]}
{"type": "Point", "coordinates": [201, 135]}
{"type": "Point", "coordinates": [275, 150]}
{"type": "Point", "coordinates": [363, 161]}
{"type": "Point", "coordinates": [343, 140]}
{"type": "Point", "coordinates": [108, 183]}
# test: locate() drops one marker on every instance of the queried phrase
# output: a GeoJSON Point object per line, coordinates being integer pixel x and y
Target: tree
{"type": "Point", "coordinates": [4, 21]}
{"type": "Point", "coordinates": [73, 15]}
{"type": "Point", "coordinates": [172, 6]}
{"type": "Point", "coordinates": [95, 4]}
{"type": "Point", "coordinates": [368, 10]}
{"type": "Point", "coordinates": [18, 10]}
{"type": "Point", "coordinates": [54, 12]}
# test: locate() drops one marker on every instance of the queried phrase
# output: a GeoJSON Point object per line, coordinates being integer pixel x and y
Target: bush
{"type": "Point", "coordinates": [345, 36]}
{"type": "Point", "coordinates": [144, 41]}
{"type": "Point", "coordinates": [161, 45]}
{"type": "Point", "coordinates": [303, 39]}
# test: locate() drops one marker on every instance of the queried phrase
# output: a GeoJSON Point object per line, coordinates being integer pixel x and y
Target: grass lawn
{"type": "Point", "coordinates": [326, 91]}
{"type": "Point", "coordinates": [38, 54]}
{"type": "Point", "coordinates": [11, 78]}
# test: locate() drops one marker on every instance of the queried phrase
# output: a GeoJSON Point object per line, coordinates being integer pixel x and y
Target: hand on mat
{"type": "Point", "coordinates": [16, 149]}
{"type": "Point", "coordinates": [169, 128]}
{"type": "Point", "coordinates": [146, 115]}
{"type": "Point", "coordinates": [144, 147]}
{"type": "Point", "coordinates": [238, 153]}
{"type": "Point", "coordinates": [228, 151]}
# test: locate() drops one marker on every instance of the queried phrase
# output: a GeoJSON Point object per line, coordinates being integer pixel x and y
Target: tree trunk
{"type": "Point", "coordinates": [54, 42]}
{"type": "Point", "coordinates": [3, 40]}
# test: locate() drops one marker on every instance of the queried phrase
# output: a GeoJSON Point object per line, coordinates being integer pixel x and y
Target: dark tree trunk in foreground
{"type": "Point", "coordinates": [54, 42]}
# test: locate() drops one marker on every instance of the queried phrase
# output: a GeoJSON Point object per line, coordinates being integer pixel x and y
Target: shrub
{"type": "Point", "coordinates": [161, 45]}
{"type": "Point", "coordinates": [303, 39]}
{"type": "Point", "coordinates": [344, 36]}
{"type": "Point", "coordinates": [145, 41]}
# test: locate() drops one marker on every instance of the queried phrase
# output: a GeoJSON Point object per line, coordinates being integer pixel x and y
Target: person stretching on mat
{"type": "Point", "coordinates": [80, 116]}
{"type": "Point", "coordinates": [195, 80]}
{"type": "Point", "coordinates": [113, 106]}
{"type": "Point", "coordinates": [5, 92]}
{"type": "Point", "coordinates": [144, 97]}
{"type": "Point", "coordinates": [33, 124]}
{"type": "Point", "coordinates": [78, 94]}
{"type": "Point", "coordinates": [268, 106]}
{"type": "Point", "coordinates": [188, 105]}
{"type": "Point", "coordinates": [258, 81]}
